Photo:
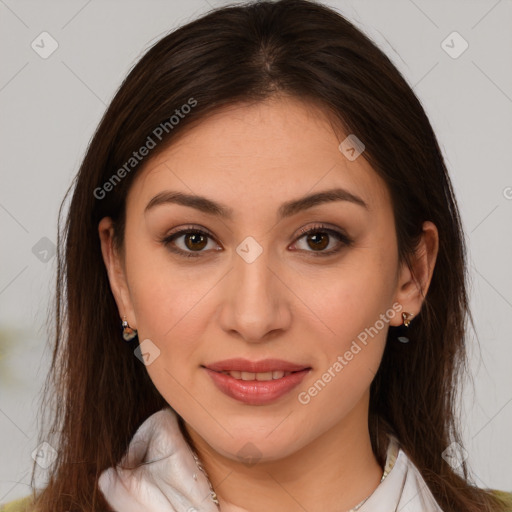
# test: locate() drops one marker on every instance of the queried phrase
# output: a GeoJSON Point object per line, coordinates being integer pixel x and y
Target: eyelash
{"type": "Point", "coordinates": [320, 228]}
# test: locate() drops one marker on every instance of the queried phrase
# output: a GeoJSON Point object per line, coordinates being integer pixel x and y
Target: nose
{"type": "Point", "coordinates": [255, 300]}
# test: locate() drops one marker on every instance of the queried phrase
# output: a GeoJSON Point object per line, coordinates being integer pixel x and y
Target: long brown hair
{"type": "Point", "coordinates": [98, 393]}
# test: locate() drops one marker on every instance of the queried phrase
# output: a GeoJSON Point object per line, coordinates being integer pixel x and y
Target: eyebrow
{"type": "Point", "coordinates": [287, 209]}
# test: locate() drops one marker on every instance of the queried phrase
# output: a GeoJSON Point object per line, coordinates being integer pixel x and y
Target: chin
{"type": "Point", "coordinates": [257, 446]}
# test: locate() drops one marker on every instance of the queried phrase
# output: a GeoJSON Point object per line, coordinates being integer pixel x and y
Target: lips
{"type": "Point", "coordinates": [244, 365]}
{"type": "Point", "coordinates": [256, 382]}
{"type": "Point", "coordinates": [260, 376]}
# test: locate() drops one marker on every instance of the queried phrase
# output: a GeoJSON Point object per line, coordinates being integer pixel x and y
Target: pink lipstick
{"type": "Point", "coordinates": [256, 382]}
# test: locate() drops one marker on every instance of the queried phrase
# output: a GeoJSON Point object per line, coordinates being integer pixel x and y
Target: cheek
{"type": "Point", "coordinates": [354, 296]}
{"type": "Point", "coordinates": [356, 306]}
{"type": "Point", "coordinates": [171, 314]}
{"type": "Point", "coordinates": [170, 304]}
{"type": "Point", "coordinates": [164, 292]}
{"type": "Point", "coordinates": [355, 312]}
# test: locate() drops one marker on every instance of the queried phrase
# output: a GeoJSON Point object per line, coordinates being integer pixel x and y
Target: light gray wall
{"type": "Point", "coordinates": [50, 107]}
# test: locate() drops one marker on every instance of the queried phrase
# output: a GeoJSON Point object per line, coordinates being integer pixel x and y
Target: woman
{"type": "Point", "coordinates": [265, 211]}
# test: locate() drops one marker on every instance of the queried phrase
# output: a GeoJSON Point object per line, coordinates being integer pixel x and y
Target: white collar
{"type": "Point", "coordinates": [164, 476]}
{"type": "Point", "coordinates": [403, 489]}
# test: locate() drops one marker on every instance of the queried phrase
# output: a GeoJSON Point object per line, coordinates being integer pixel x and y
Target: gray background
{"type": "Point", "coordinates": [50, 107]}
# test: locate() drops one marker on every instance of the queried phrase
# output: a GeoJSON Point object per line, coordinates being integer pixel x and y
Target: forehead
{"type": "Point", "coordinates": [259, 154]}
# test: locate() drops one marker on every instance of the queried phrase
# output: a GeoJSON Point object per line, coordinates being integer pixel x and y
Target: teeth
{"type": "Point", "coordinates": [261, 376]}
{"type": "Point", "coordinates": [264, 376]}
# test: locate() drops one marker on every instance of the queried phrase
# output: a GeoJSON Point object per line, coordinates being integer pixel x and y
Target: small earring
{"type": "Point", "coordinates": [128, 332]}
{"type": "Point", "coordinates": [401, 329]}
{"type": "Point", "coordinates": [406, 317]}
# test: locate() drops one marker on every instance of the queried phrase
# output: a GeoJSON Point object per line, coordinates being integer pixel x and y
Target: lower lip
{"type": "Point", "coordinates": [256, 392]}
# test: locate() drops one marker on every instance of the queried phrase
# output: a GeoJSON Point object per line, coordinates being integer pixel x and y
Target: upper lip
{"type": "Point", "coordinates": [265, 365]}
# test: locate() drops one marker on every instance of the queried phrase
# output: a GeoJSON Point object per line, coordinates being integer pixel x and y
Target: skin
{"type": "Point", "coordinates": [289, 303]}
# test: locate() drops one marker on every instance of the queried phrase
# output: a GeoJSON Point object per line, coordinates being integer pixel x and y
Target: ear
{"type": "Point", "coordinates": [413, 282]}
{"type": "Point", "coordinates": [116, 272]}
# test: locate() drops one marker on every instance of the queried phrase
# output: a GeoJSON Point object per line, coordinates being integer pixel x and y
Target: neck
{"type": "Point", "coordinates": [334, 472]}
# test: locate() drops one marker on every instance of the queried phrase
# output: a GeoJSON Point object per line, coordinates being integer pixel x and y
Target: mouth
{"type": "Point", "coordinates": [260, 376]}
{"type": "Point", "coordinates": [256, 367]}
{"type": "Point", "coordinates": [256, 383]}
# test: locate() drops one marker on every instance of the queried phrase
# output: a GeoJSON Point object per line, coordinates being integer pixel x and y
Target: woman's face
{"type": "Point", "coordinates": [255, 288]}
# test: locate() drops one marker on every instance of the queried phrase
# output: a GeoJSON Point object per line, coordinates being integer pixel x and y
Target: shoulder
{"type": "Point", "coordinates": [24, 504]}
{"type": "Point", "coordinates": [506, 497]}
{"type": "Point", "coordinates": [20, 505]}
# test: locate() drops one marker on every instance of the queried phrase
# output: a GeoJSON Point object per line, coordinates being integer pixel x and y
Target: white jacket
{"type": "Point", "coordinates": [165, 477]}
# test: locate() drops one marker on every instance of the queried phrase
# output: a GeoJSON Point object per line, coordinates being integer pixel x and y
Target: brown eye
{"type": "Point", "coordinates": [321, 241]}
{"type": "Point", "coordinates": [318, 241]}
{"type": "Point", "coordinates": [195, 241]}
{"type": "Point", "coordinates": [190, 242]}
